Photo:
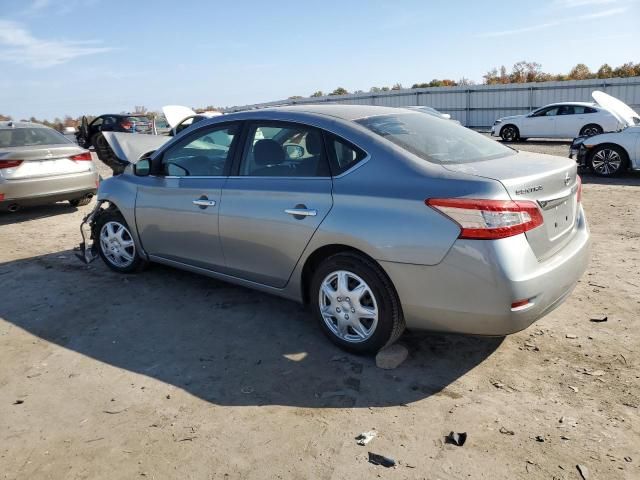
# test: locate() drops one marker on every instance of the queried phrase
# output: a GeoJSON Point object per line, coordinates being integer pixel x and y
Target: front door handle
{"type": "Point", "coordinates": [301, 212]}
{"type": "Point", "coordinates": [204, 202]}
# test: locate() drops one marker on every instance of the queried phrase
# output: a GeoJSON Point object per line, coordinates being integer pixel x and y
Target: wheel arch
{"type": "Point", "coordinates": [317, 256]}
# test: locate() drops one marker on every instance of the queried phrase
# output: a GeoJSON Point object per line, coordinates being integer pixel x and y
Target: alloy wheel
{"type": "Point", "coordinates": [348, 306]}
{"type": "Point", "coordinates": [606, 162]}
{"type": "Point", "coordinates": [117, 244]}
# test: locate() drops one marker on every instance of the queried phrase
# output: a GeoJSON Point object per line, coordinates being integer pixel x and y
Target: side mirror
{"type": "Point", "coordinates": [294, 151]}
{"type": "Point", "coordinates": [142, 167]}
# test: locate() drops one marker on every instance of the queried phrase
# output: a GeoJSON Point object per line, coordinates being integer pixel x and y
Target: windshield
{"type": "Point", "coordinates": [434, 139]}
{"type": "Point", "coordinates": [30, 137]}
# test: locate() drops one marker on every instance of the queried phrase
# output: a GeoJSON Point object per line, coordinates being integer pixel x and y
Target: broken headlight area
{"type": "Point", "coordinates": [88, 248]}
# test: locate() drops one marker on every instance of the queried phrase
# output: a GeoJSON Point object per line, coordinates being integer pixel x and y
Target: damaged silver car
{"type": "Point", "coordinates": [378, 218]}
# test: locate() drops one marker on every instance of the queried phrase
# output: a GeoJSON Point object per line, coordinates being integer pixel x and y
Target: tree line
{"type": "Point", "coordinates": [521, 72]}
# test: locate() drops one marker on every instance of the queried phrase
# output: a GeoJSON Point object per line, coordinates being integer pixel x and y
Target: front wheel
{"type": "Point", "coordinates": [355, 303]}
{"type": "Point", "coordinates": [115, 243]}
{"type": "Point", "coordinates": [607, 160]}
{"type": "Point", "coordinates": [509, 133]}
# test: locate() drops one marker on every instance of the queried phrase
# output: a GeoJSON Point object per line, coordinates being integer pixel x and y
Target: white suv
{"type": "Point", "coordinates": [558, 120]}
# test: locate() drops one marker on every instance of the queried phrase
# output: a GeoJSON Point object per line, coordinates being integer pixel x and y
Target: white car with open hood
{"type": "Point", "coordinates": [611, 153]}
{"type": "Point", "coordinates": [558, 120]}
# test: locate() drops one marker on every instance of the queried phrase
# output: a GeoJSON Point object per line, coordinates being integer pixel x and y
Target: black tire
{"type": "Point", "coordinates": [115, 217]}
{"type": "Point", "coordinates": [93, 140]}
{"type": "Point", "coordinates": [591, 130]}
{"type": "Point", "coordinates": [390, 323]}
{"type": "Point", "coordinates": [80, 202]}
{"type": "Point", "coordinates": [510, 133]}
{"type": "Point", "coordinates": [608, 160]}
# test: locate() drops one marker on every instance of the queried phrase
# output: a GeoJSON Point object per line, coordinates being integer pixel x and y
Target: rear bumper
{"type": "Point", "coordinates": [472, 289]}
{"type": "Point", "coordinates": [31, 191]}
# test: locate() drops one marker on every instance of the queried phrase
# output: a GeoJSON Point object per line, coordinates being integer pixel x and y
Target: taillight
{"type": "Point", "coordinates": [579, 195]}
{"type": "Point", "coordinates": [9, 163]}
{"type": "Point", "coordinates": [126, 125]}
{"type": "Point", "coordinates": [489, 219]}
{"type": "Point", "coordinates": [81, 157]}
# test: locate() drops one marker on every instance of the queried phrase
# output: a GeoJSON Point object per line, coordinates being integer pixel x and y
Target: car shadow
{"type": "Point", "coordinates": [225, 344]}
{"type": "Point", "coordinates": [631, 179]}
{"type": "Point", "coordinates": [36, 212]}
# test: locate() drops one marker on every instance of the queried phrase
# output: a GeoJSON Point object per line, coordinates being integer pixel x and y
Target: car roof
{"type": "Point", "coordinates": [581, 104]}
{"type": "Point", "coordinates": [345, 112]}
{"type": "Point", "coordinates": [9, 124]}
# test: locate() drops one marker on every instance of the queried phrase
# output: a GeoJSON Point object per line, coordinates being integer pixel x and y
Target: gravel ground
{"type": "Point", "coordinates": [166, 374]}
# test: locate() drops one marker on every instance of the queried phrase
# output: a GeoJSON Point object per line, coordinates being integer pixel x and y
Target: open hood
{"type": "Point", "coordinates": [176, 113]}
{"type": "Point", "coordinates": [130, 147]}
{"type": "Point", "coordinates": [623, 112]}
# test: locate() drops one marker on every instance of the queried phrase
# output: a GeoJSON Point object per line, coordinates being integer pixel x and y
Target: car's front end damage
{"type": "Point", "coordinates": [88, 248]}
{"type": "Point", "coordinates": [578, 151]}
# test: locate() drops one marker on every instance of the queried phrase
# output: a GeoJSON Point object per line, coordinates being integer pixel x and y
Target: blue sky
{"type": "Point", "coordinates": [87, 56]}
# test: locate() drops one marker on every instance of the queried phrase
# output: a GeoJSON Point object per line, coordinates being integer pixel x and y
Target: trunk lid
{"type": "Point", "coordinates": [42, 161]}
{"type": "Point", "coordinates": [549, 181]}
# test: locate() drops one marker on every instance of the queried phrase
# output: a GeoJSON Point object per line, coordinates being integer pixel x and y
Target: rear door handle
{"type": "Point", "coordinates": [202, 202]}
{"type": "Point", "coordinates": [301, 212]}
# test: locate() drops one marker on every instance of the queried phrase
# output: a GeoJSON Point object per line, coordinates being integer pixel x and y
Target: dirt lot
{"type": "Point", "coordinates": [166, 374]}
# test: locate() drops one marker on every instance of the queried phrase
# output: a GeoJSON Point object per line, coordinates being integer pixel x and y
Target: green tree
{"type": "Point", "coordinates": [339, 91]}
{"type": "Point", "coordinates": [385, 89]}
{"type": "Point", "coordinates": [605, 71]}
{"type": "Point", "coordinates": [580, 72]}
{"type": "Point", "coordinates": [319, 93]}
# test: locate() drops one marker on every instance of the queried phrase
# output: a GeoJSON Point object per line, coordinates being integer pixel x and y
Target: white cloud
{"type": "Point", "coordinates": [541, 26]}
{"type": "Point", "coordinates": [582, 3]}
{"type": "Point", "coordinates": [18, 45]}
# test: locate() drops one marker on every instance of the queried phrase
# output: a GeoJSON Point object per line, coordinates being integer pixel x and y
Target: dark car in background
{"type": "Point", "coordinates": [88, 134]}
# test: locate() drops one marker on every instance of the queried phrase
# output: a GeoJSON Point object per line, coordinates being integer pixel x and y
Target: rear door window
{"type": "Point", "coordinates": [284, 150]}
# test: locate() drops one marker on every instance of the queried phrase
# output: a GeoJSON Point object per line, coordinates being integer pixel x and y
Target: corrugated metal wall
{"type": "Point", "coordinates": [480, 105]}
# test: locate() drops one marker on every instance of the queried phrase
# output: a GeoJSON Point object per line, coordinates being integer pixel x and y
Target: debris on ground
{"type": "Point", "coordinates": [456, 438]}
{"type": "Point", "coordinates": [593, 373]}
{"type": "Point", "coordinates": [571, 336]}
{"type": "Point", "coordinates": [575, 389]}
{"type": "Point", "coordinates": [599, 319]}
{"type": "Point", "coordinates": [584, 471]}
{"type": "Point", "coordinates": [539, 438]}
{"type": "Point", "coordinates": [381, 460]}
{"type": "Point", "coordinates": [366, 437]}
{"type": "Point", "coordinates": [506, 431]}
{"type": "Point", "coordinates": [114, 412]}
{"type": "Point", "coordinates": [392, 356]}
{"type": "Point", "coordinates": [627, 459]}
{"type": "Point", "coordinates": [18, 402]}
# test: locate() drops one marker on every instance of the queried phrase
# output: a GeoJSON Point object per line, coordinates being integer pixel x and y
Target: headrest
{"type": "Point", "coordinates": [268, 152]}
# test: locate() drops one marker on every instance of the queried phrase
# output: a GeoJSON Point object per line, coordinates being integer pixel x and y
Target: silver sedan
{"type": "Point", "coordinates": [38, 165]}
{"type": "Point", "coordinates": [379, 218]}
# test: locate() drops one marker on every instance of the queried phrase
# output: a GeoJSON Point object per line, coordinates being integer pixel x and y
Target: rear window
{"type": "Point", "coordinates": [138, 119]}
{"type": "Point", "coordinates": [29, 137]}
{"type": "Point", "coordinates": [434, 139]}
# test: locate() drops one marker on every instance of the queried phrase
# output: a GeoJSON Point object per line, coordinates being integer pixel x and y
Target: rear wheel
{"type": "Point", "coordinates": [510, 133]}
{"type": "Point", "coordinates": [355, 303]}
{"type": "Point", "coordinates": [115, 243]}
{"type": "Point", "coordinates": [591, 130]}
{"type": "Point", "coordinates": [608, 160]}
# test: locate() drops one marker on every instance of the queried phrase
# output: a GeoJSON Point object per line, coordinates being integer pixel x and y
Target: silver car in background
{"type": "Point", "coordinates": [39, 165]}
{"type": "Point", "coordinates": [379, 218]}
